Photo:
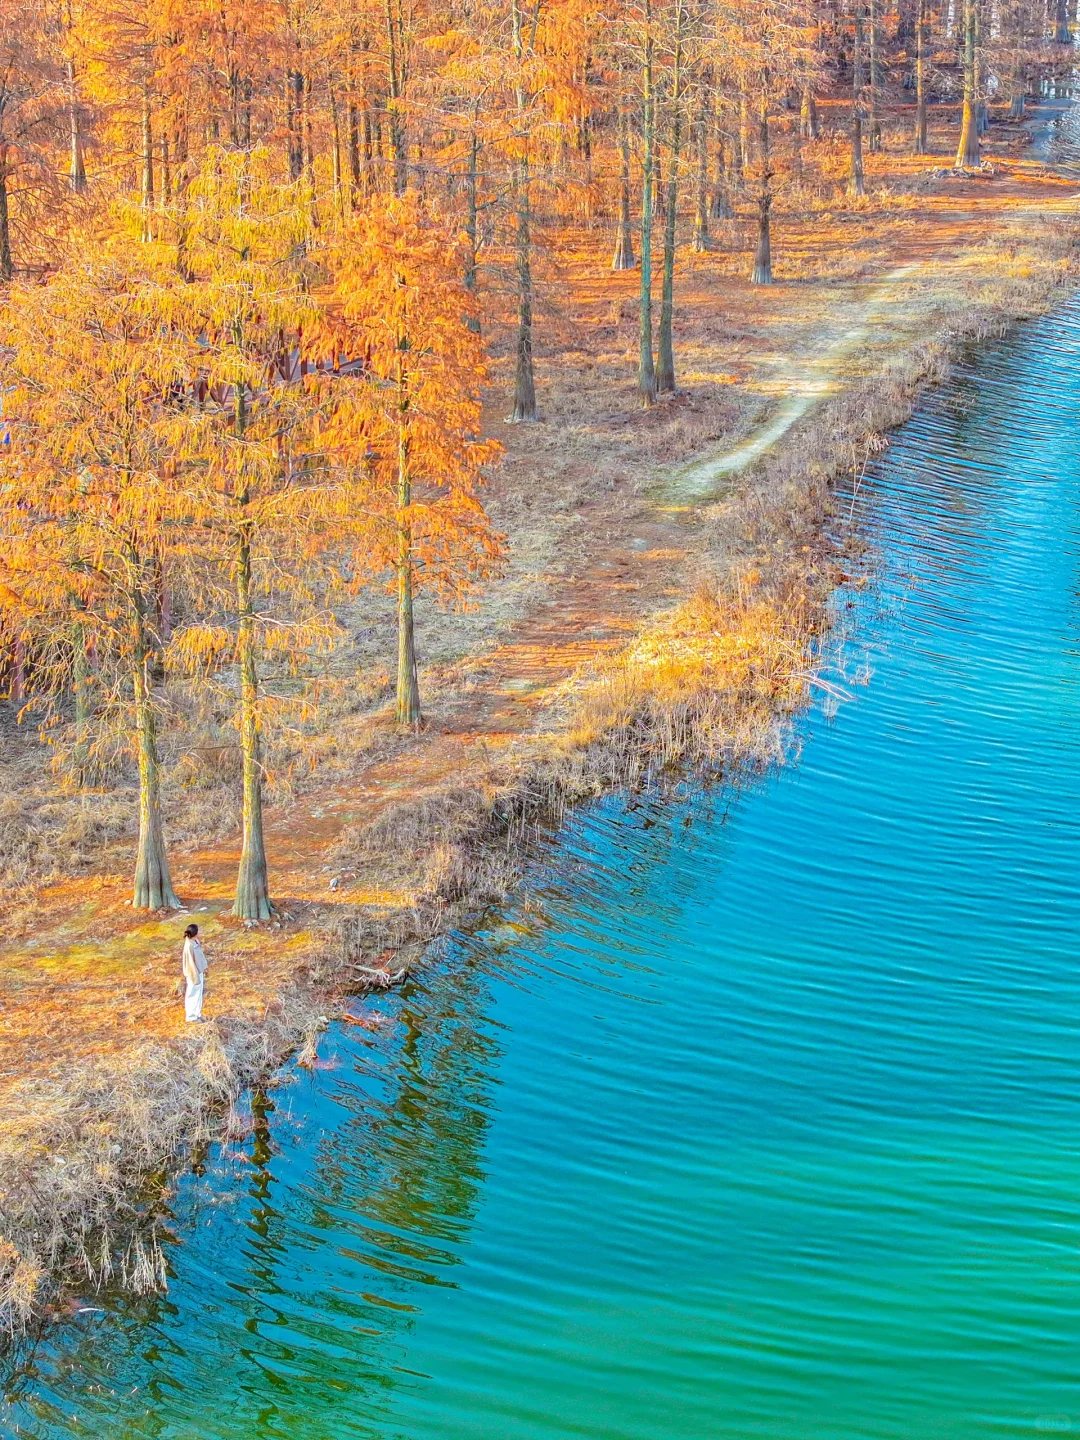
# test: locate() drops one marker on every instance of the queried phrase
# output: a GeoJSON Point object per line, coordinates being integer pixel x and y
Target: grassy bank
{"type": "Point", "coordinates": [708, 676]}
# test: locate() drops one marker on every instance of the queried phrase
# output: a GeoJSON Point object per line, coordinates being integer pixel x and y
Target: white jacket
{"type": "Point", "coordinates": [194, 961]}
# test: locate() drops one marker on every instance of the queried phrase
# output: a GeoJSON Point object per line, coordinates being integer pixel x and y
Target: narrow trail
{"type": "Point", "coordinates": [885, 308]}
{"type": "Point", "coordinates": [800, 385]}
{"type": "Point", "coordinates": [106, 977]}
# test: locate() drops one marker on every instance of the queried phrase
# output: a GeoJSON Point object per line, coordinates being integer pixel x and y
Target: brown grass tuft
{"type": "Point", "coordinates": [712, 681]}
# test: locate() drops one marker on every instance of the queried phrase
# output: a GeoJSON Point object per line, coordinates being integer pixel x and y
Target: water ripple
{"type": "Point", "coordinates": [763, 1119]}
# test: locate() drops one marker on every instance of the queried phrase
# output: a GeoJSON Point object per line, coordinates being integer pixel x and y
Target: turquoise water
{"type": "Point", "coordinates": [761, 1118]}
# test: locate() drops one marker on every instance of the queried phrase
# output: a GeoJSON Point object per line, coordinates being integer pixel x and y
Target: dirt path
{"type": "Point", "coordinates": [803, 382]}
{"type": "Point", "coordinates": [105, 979]}
{"type": "Point", "coordinates": [108, 978]}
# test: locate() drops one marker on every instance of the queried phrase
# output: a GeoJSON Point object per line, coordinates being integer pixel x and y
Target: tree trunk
{"type": "Point", "coordinates": [721, 202]}
{"type": "Point", "coordinates": [77, 163]}
{"type": "Point", "coordinates": [6, 266]}
{"type": "Point", "coordinates": [356, 185]}
{"type": "Point", "coordinates": [236, 124]}
{"type": "Point", "coordinates": [524, 380]}
{"type": "Point", "coordinates": [701, 143]}
{"type": "Point", "coordinates": [147, 165]}
{"type": "Point", "coordinates": [856, 178]}
{"type": "Point", "coordinates": [1019, 86]}
{"type": "Point", "coordinates": [408, 687]}
{"type": "Point", "coordinates": [165, 197]}
{"type": "Point", "coordinates": [875, 81]}
{"type": "Point", "coordinates": [252, 888]}
{"type": "Point", "coordinates": [371, 144]}
{"type": "Point", "coordinates": [665, 368]}
{"type": "Point", "coordinates": [335, 132]}
{"type": "Point", "coordinates": [856, 183]}
{"type": "Point", "coordinates": [180, 136]}
{"type": "Point", "coordinates": [921, 39]}
{"type": "Point", "coordinates": [308, 136]}
{"type": "Point", "coordinates": [472, 225]}
{"type": "Point", "coordinates": [158, 608]}
{"type": "Point", "coordinates": [967, 153]}
{"type": "Point", "coordinates": [1061, 23]}
{"type": "Point", "coordinates": [80, 685]}
{"type": "Point", "coordinates": [762, 272]}
{"type": "Point", "coordinates": [398, 137]}
{"type": "Point", "coordinates": [796, 153]}
{"type": "Point", "coordinates": [17, 682]}
{"type": "Point", "coordinates": [294, 94]}
{"type": "Point", "coordinates": [738, 157]}
{"type": "Point", "coordinates": [745, 140]}
{"type": "Point", "coordinates": [153, 885]}
{"type": "Point", "coordinates": [646, 368]}
{"type": "Point", "coordinates": [252, 900]}
{"type": "Point", "coordinates": [982, 87]}
{"type": "Point", "coordinates": [623, 259]}
{"type": "Point", "coordinates": [183, 266]}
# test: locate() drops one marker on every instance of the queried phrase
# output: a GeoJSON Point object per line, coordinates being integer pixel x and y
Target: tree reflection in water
{"type": "Point", "coordinates": [300, 1265]}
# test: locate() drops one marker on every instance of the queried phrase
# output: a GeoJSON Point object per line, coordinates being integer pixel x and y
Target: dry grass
{"type": "Point", "coordinates": [706, 627]}
{"type": "Point", "coordinates": [44, 837]}
{"type": "Point", "coordinates": [81, 1188]}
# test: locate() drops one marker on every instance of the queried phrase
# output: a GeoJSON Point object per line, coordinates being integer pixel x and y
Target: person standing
{"type": "Point", "coordinates": [194, 964]}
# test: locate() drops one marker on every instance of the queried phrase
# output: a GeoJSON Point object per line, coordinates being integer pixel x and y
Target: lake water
{"type": "Point", "coordinates": [762, 1118]}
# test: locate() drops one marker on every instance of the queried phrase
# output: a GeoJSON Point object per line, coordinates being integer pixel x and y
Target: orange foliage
{"type": "Point", "coordinates": [308, 222]}
{"type": "Point", "coordinates": [397, 279]}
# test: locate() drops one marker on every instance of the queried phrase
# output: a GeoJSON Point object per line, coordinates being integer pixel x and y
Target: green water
{"type": "Point", "coordinates": [763, 1120]}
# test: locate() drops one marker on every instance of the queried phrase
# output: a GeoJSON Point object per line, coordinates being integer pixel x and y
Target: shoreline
{"type": "Point", "coordinates": [709, 681]}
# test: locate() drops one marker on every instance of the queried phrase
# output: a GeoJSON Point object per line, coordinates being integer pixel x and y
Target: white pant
{"type": "Point", "coordinates": [193, 997]}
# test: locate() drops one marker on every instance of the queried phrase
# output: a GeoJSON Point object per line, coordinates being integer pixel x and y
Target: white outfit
{"type": "Point", "coordinates": [195, 975]}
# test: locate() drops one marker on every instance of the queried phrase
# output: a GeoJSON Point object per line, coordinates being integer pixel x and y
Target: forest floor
{"type": "Point", "coordinates": [612, 516]}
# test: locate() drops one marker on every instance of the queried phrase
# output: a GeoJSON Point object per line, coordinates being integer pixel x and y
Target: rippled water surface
{"type": "Point", "coordinates": [770, 1126]}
